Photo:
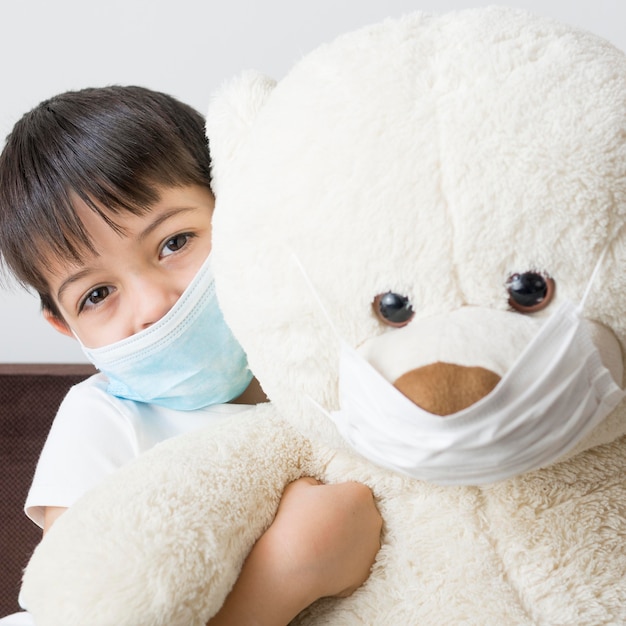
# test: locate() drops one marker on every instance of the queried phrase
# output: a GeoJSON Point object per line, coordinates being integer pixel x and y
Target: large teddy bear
{"type": "Point", "coordinates": [420, 241]}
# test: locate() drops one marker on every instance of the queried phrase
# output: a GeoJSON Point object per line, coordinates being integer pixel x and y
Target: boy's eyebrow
{"type": "Point", "coordinates": [163, 217]}
{"type": "Point", "coordinates": [71, 279]}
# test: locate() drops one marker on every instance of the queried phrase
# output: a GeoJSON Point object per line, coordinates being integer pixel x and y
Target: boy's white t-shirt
{"type": "Point", "coordinates": [95, 433]}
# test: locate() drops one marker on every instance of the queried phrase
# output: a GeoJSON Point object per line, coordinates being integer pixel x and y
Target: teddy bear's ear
{"type": "Point", "coordinates": [232, 111]}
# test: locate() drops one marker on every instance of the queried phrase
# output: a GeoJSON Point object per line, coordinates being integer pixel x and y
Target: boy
{"type": "Point", "coordinates": [111, 189]}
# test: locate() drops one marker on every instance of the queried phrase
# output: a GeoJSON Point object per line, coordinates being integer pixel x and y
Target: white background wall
{"type": "Point", "coordinates": [186, 48]}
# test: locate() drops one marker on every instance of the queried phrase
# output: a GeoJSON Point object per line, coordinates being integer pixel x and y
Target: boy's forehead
{"type": "Point", "coordinates": [81, 241]}
{"type": "Point", "coordinates": [93, 212]}
{"type": "Point", "coordinates": [99, 222]}
{"type": "Point", "coordinates": [55, 264]}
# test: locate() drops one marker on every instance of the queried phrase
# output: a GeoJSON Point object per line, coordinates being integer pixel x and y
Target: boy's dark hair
{"type": "Point", "coordinates": [111, 147]}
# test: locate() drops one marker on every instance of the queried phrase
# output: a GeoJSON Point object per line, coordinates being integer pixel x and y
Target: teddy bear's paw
{"type": "Point", "coordinates": [163, 539]}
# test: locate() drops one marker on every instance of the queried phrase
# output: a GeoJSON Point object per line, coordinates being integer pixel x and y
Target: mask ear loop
{"type": "Point", "coordinates": [313, 291]}
{"type": "Point", "coordinates": [594, 274]}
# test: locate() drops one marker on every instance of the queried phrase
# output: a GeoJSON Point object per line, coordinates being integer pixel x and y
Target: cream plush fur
{"type": "Point", "coordinates": [432, 156]}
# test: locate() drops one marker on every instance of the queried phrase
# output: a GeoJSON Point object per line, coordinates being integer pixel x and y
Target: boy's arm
{"type": "Point", "coordinates": [50, 515]}
{"type": "Point", "coordinates": [322, 542]}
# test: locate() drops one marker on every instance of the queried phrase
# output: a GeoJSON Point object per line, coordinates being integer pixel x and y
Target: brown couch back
{"type": "Point", "coordinates": [29, 398]}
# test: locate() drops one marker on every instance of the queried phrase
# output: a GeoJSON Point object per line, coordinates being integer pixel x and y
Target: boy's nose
{"type": "Point", "coordinates": [152, 300]}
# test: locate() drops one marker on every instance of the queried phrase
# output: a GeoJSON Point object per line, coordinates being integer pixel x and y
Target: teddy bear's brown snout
{"type": "Point", "coordinates": [446, 388]}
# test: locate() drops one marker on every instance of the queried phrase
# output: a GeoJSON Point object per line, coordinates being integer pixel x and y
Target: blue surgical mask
{"type": "Point", "coordinates": [187, 360]}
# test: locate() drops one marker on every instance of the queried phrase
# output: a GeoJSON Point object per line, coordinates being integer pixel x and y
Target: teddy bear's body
{"type": "Point", "coordinates": [542, 549]}
{"type": "Point", "coordinates": [434, 158]}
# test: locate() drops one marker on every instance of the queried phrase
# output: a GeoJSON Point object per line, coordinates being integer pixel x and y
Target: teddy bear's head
{"type": "Point", "coordinates": [420, 242]}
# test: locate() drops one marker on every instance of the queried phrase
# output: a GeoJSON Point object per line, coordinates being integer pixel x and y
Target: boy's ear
{"type": "Point", "coordinates": [57, 323]}
{"type": "Point", "coordinates": [232, 112]}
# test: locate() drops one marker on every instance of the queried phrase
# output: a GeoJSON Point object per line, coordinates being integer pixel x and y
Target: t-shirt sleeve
{"type": "Point", "coordinates": [90, 438]}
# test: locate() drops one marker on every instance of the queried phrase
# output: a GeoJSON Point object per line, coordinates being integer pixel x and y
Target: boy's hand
{"type": "Point", "coordinates": [322, 542]}
{"type": "Point", "coordinates": [329, 534]}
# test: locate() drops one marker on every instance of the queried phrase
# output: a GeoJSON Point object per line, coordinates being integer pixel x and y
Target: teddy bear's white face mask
{"type": "Point", "coordinates": [554, 395]}
{"type": "Point", "coordinates": [556, 392]}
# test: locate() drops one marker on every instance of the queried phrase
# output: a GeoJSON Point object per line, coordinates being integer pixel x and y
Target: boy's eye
{"type": "Point", "coordinates": [175, 244]}
{"type": "Point", "coordinates": [96, 296]}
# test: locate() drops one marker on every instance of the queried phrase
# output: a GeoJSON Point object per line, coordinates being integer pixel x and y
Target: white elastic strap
{"type": "Point", "coordinates": [596, 269]}
{"type": "Point", "coordinates": [313, 291]}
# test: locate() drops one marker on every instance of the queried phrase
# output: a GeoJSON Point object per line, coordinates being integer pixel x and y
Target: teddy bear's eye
{"type": "Point", "coordinates": [393, 309]}
{"type": "Point", "coordinates": [530, 291]}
